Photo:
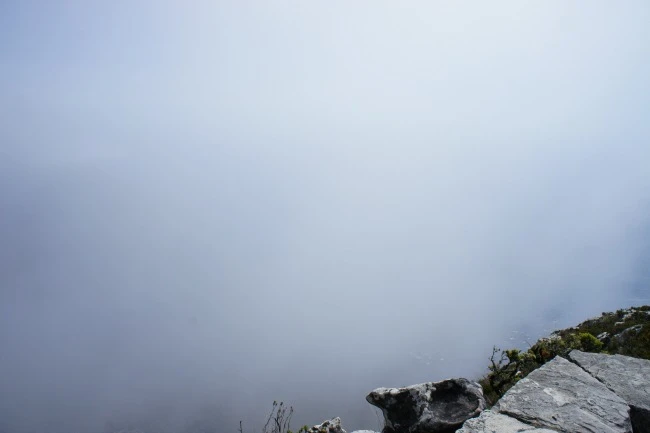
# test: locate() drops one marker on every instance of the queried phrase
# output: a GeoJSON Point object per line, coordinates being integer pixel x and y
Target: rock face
{"type": "Point", "coordinates": [562, 396]}
{"type": "Point", "coordinates": [625, 335]}
{"type": "Point", "coordinates": [491, 422]}
{"type": "Point", "coordinates": [627, 377]}
{"type": "Point", "coordinates": [432, 407]}
{"type": "Point", "coordinates": [330, 426]}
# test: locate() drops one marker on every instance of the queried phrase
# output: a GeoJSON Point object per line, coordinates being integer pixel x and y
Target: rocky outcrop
{"type": "Point", "coordinates": [491, 422]}
{"type": "Point", "coordinates": [330, 426]}
{"type": "Point", "coordinates": [562, 396]}
{"type": "Point", "coordinates": [627, 334]}
{"type": "Point", "coordinates": [432, 407]}
{"type": "Point", "coordinates": [604, 337]}
{"type": "Point", "coordinates": [627, 377]}
{"type": "Point", "coordinates": [624, 332]}
{"type": "Point", "coordinates": [567, 389]}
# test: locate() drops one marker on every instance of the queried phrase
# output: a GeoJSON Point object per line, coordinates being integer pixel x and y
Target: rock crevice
{"type": "Point", "coordinates": [628, 378]}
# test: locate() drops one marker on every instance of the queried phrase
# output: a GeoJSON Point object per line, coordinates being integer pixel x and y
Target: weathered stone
{"type": "Point", "coordinates": [627, 377]}
{"type": "Point", "coordinates": [432, 407]}
{"type": "Point", "coordinates": [604, 337]}
{"type": "Point", "coordinates": [492, 422]}
{"type": "Point", "coordinates": [562, 396]}
{"type": "Point", "coordinates": [625, 335]}
{"type": "Point", "coordinates": [330, 426]}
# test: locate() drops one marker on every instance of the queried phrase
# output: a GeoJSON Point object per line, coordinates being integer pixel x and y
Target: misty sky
{"type": "Point", "coordinates": [206, 206]}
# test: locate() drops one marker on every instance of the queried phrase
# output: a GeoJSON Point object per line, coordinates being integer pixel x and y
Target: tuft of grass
{"type": "Point", "coordinates": [279, 420]}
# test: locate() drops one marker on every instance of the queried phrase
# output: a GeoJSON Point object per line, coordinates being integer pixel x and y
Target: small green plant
{"type": "Point", "coordinates": [506, 368]}
{"type": "Point", "coordinates": [588, 342]}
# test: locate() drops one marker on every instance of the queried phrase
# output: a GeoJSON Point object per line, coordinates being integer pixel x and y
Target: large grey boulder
{"type": "Point", "coordinates": [491, 422]}
{"type": "Point", "coordinates": [562, 396]}
{"type": "Point", "coordinates": [432, 407]}
{"type": "Point", "coordinates": [330, 426]}
{"type": "Point", "coordinates": [627, 377]}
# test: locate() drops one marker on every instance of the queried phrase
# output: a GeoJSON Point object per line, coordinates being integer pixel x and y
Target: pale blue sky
{"type": "Point", "coordinates": [182, 183]}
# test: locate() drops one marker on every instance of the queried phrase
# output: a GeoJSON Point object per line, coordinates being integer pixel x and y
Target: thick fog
{"type": "Point", "coordinates": [208, 206]}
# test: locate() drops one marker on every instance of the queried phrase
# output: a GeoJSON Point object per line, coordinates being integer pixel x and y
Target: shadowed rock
{"type": "Point", "coordinates": [432, 407]}
{"type": "Point", "coordinates": [562, 396]}
{"type": "Point", "coordinates": [627, 377]}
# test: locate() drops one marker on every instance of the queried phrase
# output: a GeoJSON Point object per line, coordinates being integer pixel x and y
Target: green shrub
{"type": "Point", "coordinates": [506, 368]}
{"type": "Point", "coordinates": [589, 343]}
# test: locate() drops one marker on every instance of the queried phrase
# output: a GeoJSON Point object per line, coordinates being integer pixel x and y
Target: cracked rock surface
{"type": "Point", "coordinates": [562, 396]}
{"type": "Point", "coordinates": [628, 378]}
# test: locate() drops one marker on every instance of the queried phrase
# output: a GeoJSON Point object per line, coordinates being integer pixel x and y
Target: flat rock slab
{"type": "Point", "coordinates": [492, 422]}
{"type": "Point", "coordinates": [562, 396]}
{"type": "Point", "coordinates": [432, 407]}
{"type": "Point", "coordinates": [627, 377]}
